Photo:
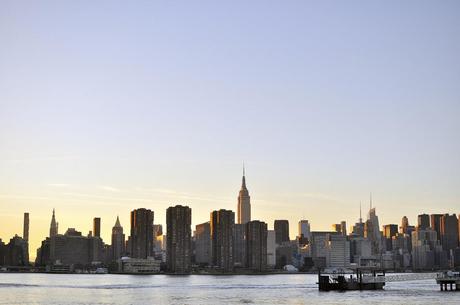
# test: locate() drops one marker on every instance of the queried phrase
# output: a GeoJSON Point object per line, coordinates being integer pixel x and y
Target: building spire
{"type": "Point", "coordinates": [360, 215]}
{"type": "Point", "coordinates": [53, 226]}
{"type": "Point", "coordinates": [117, 223]}
{"type": "Point", "coordinates": [243, 184]}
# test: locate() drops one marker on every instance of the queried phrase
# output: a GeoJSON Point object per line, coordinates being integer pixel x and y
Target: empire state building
{"type": "Point", "coordinates": [244, 203]}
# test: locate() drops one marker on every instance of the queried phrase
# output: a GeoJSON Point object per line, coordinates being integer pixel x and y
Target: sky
{"type": "Point", "coordinates": [108, 106]}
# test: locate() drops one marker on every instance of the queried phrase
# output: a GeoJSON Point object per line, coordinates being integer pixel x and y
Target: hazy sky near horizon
{"type": "Point", "coordinates": [109, 106]}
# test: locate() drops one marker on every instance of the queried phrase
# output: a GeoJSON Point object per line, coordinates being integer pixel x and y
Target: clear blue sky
{"type": "Point", "coordinates": [107, 106]}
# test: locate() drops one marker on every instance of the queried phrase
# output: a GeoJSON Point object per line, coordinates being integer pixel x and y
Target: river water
{"type": "Point", "coordinates": [73, 289]}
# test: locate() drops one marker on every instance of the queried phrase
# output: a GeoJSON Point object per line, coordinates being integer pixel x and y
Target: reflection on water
{"type": "Point", "coordinates": [76, 289]}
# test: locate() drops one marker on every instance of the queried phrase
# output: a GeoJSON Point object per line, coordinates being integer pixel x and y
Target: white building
{"type": "Point", "coordinates": [338, 251]}
{"type": "Point", "coordinates": [138, 265]}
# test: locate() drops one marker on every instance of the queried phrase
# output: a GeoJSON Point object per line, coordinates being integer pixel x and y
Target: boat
{"type": "Point", "coordinates": [360, 279]}
{"type": "Point", "coordinates": [101, 271]}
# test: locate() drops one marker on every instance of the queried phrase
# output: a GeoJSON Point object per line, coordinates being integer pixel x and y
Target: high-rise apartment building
{"type": "Point", "coordinates": [178, 239]}
{"type": "Point", "coordinates": [141, 237]}
{"type": "Point", "coordinates": [222, 239]}
{"type": "Point", "coordinates": [256, 245]}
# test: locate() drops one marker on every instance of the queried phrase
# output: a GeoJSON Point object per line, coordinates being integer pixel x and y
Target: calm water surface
{"type": "Point", "coordinates": [64, 289]}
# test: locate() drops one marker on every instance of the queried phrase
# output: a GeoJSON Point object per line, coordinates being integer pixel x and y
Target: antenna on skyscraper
{"type": "Point", "coordinates": [243, 170]}
{"type": "Point", "coordinates": [360, 216]}
{"type": "Point", "coordinates": [371, 200]}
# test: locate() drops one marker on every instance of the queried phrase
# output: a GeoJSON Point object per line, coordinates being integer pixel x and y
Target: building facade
{"type": "Point", "coordinates": [244, 203]}
{"type": "Point", "coordinates": [141, 237]}
{"type": "Point", "coordinates": [256, 246]}
{"type": "Point", "coordinates": [222, 239]}
{"type": "Point", "coordinates": [178, 239]}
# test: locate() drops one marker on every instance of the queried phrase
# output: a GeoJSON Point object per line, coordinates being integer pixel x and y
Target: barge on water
{"type": "Point", "coordinates": [448, 278]}
{"type": "Point", "coordinates": [359, 279]}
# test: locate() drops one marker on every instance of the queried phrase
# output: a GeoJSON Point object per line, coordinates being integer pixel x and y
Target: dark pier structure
{"type": "Point", "coordinates": [448, 280]}
{"type": "Point", "coordinates": [361, 279]}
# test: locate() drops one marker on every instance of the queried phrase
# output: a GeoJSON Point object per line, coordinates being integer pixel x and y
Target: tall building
{"type": "Point", "coordinates": [358, 228]}
{"type": "Point", "coordinates": [340, 228]}
{"type": "Point", "coordinates": [256, 245]}
{"type": "Point", "coordinates": [271, 248]}
{"type": "Point", "coordinates": [25, 234]}
{"type": "Point", "coordinates": [435, 224]}
{"type": "Point", "coordinates": [178, 239]}
{"type": "Point", "coordinates": [404, 225]}
{"type": "Point", "coordinates": [240, 245]}
{"type": "Point", "coordinates": [281, 231]}
{"type": "Point", "coordinates": [203, 243]}
{"type": "Point", "coordinates": [118, 240]}
{"type": "Point", "coordinates": [97, 227]}
{"type": "Point", "coordinates": [424, 248]}
{"type": "Point", "coordinates": [53, 226]}
{"type": "Point", "coordinates": [141, 237]}
{"type": "Point", "coordinates": [72, 248]}
{"type": "Point", "coordinates": [338, 251]}
{"type": "Point", "coordinates": [244, 203]}
{"type": "Point", "coordinates": [390, 230]}
{"type": "Point", "coordinates": [423, 221]}
{"type": "Point", "coordinates": [222, 240]}
{"type": "Point", "coordinates": [372, 232]}
{"type": "Point", "coordinates": [304, 229]}
{"type": "Point", "coordinates": [449, 232]}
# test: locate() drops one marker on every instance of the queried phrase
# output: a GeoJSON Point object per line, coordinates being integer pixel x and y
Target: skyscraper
{"type": "Point", "coordinates": [390, 230]}
{"type": "Point", "coordinates": [222, 239]}
{"type": "Point", "coordinates": [304, 229]}
{"type": "Point", "coordinates": [178, 239]}
{"type": "Point", "coordinates": [435, 224]}
{"type": "Point", "coordinates": [423, 221]}
{"type": "Point", "coordinates": [25, 234]}
{"type": "Point", "coordinates": [244, 203]}
{"type": "Point", "coordinates": [256, 245]}
{"type": "Point", "coordinates": [449, 232]}
{"type": "Point", "coordinates": [118, 240]}
{"type": "Point", "coordinates": [97, 227]}
{"type": "Point", "coordinates": [141, 238]}
{"type": "Point", "coordinates": [53, 226]}
{"type": "Point", "coordinates": [372, 232]}
{"type": "Point", "coordinates": [239, 244]}
{"type": "Point", "coordinates": [404, 225]}
{"type": "Point", "coordinates": [281, 231]}
{"type": "Point", "coordinates": [202, 238]}
{"type": "Point", "coordinates": [340, 228]}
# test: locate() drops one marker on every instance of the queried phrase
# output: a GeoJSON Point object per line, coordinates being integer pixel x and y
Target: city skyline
{"type": "Point", "coordinates": [105, 231]}
{"type": "Point", "coordinates": [152, 105]}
